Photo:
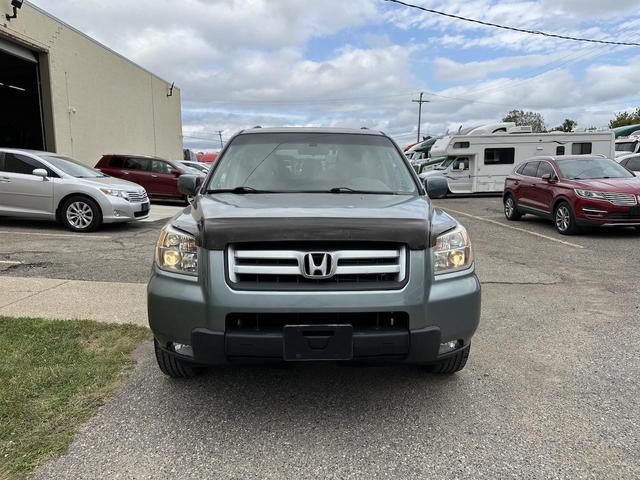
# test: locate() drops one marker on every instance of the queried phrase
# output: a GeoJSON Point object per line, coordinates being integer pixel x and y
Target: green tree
{"type": "Point", "coordinates": [622, 119]}
{"type": "Point", "coordinates": [567, 126]}
{"type": "Point", "coordinates": [532, 119]}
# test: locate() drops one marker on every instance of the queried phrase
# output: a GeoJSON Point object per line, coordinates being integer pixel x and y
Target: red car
{"type": "Point", "coordinates": [159, 177]}
{"type": "Point", "coordinates": [574, 191]}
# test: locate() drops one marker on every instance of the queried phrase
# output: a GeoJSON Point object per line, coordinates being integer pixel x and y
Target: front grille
{"type": "Point", "coordinates": [621, 199]}
{"type": "Point", "coordinates": [274, 322]}
{"type": "Point", "coordinates": [137, 197]}
{"type": "Point", "coordinates": [291, 267]}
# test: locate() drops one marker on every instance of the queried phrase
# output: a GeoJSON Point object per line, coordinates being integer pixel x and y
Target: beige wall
{"type": "Point", "coordinates": [101, 102]}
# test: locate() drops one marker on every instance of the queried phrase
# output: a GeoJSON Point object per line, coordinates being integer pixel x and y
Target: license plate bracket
{"type": "Point", "coordinates": [317, 342]}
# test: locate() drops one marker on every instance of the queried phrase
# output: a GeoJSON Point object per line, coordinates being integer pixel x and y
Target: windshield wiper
{"type": "Point", "coordinates": [241, 189]}
{"type": "Point", "coordinates": [352, 190]}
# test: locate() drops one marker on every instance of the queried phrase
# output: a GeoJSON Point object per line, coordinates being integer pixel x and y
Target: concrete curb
{"type": "Point", "coordinates": [109, 302]}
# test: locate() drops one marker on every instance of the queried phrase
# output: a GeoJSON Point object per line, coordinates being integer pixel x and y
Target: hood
{"type": "Point", "coordinates": [231, 218]}
{"type": "Point", "coordinates": [617, 185]}
{"type": "Point", "coordinates": [113, 182]}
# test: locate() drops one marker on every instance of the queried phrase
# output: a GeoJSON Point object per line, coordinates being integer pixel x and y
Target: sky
{"type": "Point", "coordinates": [359, 63]}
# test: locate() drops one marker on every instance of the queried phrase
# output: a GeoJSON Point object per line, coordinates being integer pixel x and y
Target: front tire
{"type": "Point", "coordinates": [451, 364]}
{"type": "Point", "coordinates": [80, 214]}
{"type": "Point", "coordinates": [511, 211]}
{"type": "Point", "coordinates": [171, 365]}
{"type": "Point", "coordinates": [564, 219]}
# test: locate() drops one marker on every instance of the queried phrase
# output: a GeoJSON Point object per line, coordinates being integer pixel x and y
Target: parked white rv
{"type": "Point", "coordinates": [479, 163]}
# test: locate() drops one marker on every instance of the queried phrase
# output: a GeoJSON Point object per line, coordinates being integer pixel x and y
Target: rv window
{"type": "Point", "coordinates": [545, 168]}
{"type": "Point", "coordinates": [461, 145]}
{"type": "Point", "coordinates": [530, 169]}
{"type": "Point", "coordinates": [461, 161]}
{"type": "Point", "coordinates": [581, 148]}
{"type": "Point", "coordinates": [499, 156]}
{"type": "Point", "coordinates": [560, 150]}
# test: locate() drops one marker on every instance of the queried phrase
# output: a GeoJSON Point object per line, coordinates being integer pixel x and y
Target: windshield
{"type": "Point", "coordinates": [200, 168]}
{"type": "Point", "coordinates": [626, 147]}
{"type": "Point", "coordinates": [445, 164]}
{"type": "Point", "coordinates": [591, 168]}
{"type": "Point", "coordinates": [188, 169]}
{"type": "Point", "coordinates": [73, 167]}
{"type": "Point", "coordinates": [313, 162]}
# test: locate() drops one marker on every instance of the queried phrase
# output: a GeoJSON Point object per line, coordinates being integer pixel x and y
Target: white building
{"type": "Point", "coordinates": [64, 92]}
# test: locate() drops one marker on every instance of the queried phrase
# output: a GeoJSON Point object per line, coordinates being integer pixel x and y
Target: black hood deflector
{"type": "Point", "coordinates": [217, 233]}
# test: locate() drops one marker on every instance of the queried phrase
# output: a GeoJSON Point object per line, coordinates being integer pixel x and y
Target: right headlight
{"type": "Point", "coordinates": [176, 251]}
{"type": "Point", "coordinates": [452, 251]}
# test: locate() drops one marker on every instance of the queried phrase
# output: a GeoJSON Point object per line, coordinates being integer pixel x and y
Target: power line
{"type": "Point", "coordinates": [309, 101]}
{"type": "Point", "coordinates": [201, 138]}
{"type": "Point", "coordinates": [514, 29]}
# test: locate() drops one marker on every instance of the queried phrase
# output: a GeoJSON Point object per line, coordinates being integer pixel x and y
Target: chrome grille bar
{"type": "Point", "coordinates": [621, 199]}
{"type": "Point", "coordinates": [291, 262]}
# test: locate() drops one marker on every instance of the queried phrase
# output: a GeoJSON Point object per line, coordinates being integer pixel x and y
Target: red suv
{"type": "Point", "coordinates": [574, 191]}
{"type": "Point", "coordinates": [159, 177]}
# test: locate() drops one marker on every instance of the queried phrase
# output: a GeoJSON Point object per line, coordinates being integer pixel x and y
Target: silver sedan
{"type": "Point", "coordinates": [43, 185]}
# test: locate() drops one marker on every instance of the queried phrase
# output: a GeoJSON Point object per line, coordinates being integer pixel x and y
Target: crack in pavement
{"type": "Point", "coordinates": [34, 294]}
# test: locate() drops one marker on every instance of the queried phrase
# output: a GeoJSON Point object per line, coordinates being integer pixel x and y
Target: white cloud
{"type": "Point", "coordinates": [241, 63]}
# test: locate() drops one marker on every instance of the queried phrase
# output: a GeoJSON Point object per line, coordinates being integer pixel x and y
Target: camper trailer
{"type": "Point", "coordinates": [479, 163]}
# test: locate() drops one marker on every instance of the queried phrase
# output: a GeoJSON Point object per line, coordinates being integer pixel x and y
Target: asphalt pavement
{"type": "Point", "coordinates": [550, 390]}
{"type": "Point", "coordinates": [121, 252]}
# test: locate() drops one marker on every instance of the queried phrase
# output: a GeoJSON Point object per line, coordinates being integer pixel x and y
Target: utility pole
{"type": "Point", "coordinates": [420, 102]}
{"type": "Point", "coordinates": [220, 135]}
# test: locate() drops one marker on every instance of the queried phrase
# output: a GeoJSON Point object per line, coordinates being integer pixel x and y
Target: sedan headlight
{"type": "Point", "coordinates": [114, 192]}
{"type": "Point", "coordinates": [452, 251]}
{"type": "Point", "coordinates": [590, 194]}
{"type": "Point", "coordinates": [176, 251]}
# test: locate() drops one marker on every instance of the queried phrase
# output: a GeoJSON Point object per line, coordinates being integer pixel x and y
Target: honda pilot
{"type": "Point", "coordinates": [312, 245]}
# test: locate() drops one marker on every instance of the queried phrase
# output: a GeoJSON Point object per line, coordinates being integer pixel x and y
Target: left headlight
{"type": "Point", "coordinates": [176, 251]}
{"type": "Point", "coordinates": [590, 194]}
{"type": "Point", "coordinates": [114, 192]}
{"type": "Point", "coordinates": [452, 251]}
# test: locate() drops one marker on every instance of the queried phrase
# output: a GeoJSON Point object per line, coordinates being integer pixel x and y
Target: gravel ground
{"type": "Point", "coordinates": [550, 390]}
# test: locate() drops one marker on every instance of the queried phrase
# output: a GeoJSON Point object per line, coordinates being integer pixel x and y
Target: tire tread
{"type": "Point", "coordinates": [452, 364]}
{"type": "Point", "coordinates": [172, 366]}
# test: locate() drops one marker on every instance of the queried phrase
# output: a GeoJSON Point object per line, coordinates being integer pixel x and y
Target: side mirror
{"type": "Point", "coordinates": [176, 172]}
{"type": "Point", "coordinates": [188, 185]}
{"type": "Point", "coordinates": [40, 172]}
{"type": "Point", "coordinates": [437, 187]}
{"type": "Point", "coordinates": [548, 178]}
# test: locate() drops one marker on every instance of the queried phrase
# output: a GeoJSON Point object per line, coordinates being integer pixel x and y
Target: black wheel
{"type": "Point", "coordinates": [172, 366]}
{"type": "Point", "coordinates": [80, 214]}
{"type": "Point", "coordinates": [451, 364]}
{"type": "Point", "coordinates": [511, 211]}
{"type": "Point", "coordinates": [564, 219]}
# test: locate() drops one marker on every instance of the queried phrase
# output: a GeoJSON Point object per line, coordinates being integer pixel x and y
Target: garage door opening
{"type": "Point", "coordinates": [20, 100]}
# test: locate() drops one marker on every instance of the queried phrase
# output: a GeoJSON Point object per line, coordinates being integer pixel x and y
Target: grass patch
{"type": "Point", "coordinates": [53, 376]}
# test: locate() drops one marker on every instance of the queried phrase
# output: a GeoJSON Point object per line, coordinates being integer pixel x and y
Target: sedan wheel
{"type": "Point", "coordinates": [80, 214]}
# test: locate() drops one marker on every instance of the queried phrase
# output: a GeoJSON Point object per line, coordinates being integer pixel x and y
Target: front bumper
{"type": "Point", "coordinates": [184, 310]}
{"type": "Point", "coordinates": [116, 209]}
{"type": "Point", "coordinates": [600, 213]}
